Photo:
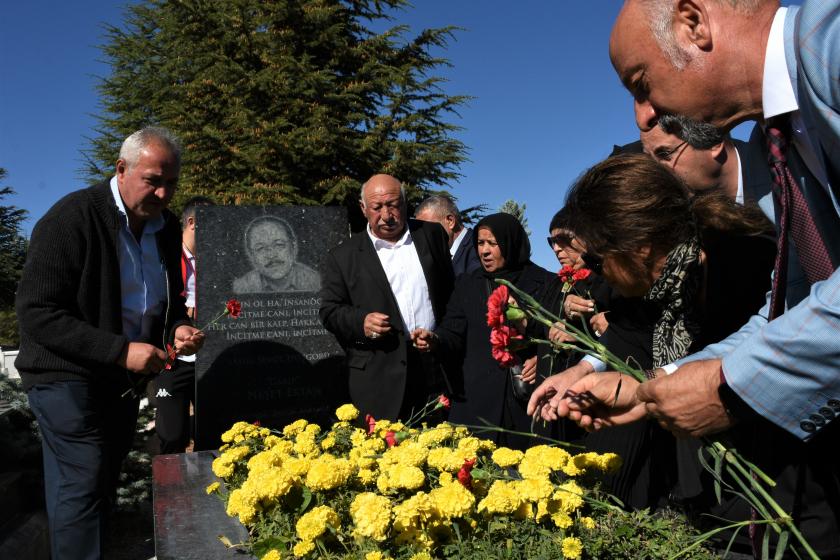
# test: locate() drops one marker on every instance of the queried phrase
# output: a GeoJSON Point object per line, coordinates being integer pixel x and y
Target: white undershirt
{"type": "Point", "coordinates": [402, 267]}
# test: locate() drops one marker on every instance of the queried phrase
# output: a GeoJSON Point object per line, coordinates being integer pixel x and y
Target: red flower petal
{"type": "Point", "coordinates": [233, 308]}
{"type": "Point", "coordinates": [496, 304]}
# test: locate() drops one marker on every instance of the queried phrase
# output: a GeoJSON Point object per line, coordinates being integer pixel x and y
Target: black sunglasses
{"type": "Point", "coordinates": [593, 262]}
{"type": "Point", "coordinates": [563, 240]}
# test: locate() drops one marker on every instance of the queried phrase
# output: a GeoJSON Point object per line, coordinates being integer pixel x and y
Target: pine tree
{"type": "Point", "coordinates": [516, 209]}
{"type": "Point", "coordinates": [12, 257]}
{"type": "Point", "coordinates": [278, 102]}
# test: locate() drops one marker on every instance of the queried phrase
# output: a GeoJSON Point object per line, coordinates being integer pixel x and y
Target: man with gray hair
{"type": "Point", "coordinates": [99, 300]}
{"type": "Point", "coordinates": [441, 209]}
{"type": "Point", "coordinates": [380, 285]}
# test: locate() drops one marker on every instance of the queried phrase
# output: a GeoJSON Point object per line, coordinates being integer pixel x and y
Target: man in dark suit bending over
{"type": "Point", "coordinates": [376, 288]}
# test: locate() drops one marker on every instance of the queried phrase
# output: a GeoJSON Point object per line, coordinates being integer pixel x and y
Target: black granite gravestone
{"type": "Point", "coordinates": [276, 362]}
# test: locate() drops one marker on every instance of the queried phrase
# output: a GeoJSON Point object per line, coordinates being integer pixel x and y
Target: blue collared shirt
{"type": "Point", "coordinates": [142, 274]}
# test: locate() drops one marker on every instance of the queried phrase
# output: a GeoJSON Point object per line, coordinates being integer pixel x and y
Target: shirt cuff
{"type": "Point", "coordinates": [597, 365]}
{"type": "Point", "coordinates": [669, 368]}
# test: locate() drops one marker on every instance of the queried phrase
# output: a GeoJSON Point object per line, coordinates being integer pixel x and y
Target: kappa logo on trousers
{"type": "Point", "coordinates": [163, 393]}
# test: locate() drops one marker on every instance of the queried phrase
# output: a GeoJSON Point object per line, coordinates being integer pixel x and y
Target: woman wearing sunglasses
{"type": "Point", "coordinates": [689, 271]}
{"type": "Point", "coordinates": [586, 301]}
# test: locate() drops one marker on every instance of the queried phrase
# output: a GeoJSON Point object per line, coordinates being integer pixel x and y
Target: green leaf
{"type": "Point", "coordinates": [306, 496]}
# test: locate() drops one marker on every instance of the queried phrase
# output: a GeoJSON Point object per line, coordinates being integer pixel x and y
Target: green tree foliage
{"type": "Point", "coordinates": [516, 209]}
{"type": "Point", "coordinates": [280, 102]}
{"type": "Point", "coordinates": [12, 256]}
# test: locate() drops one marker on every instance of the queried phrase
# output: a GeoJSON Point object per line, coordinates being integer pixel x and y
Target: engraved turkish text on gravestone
{"type": "Point", "coordinates": [276, 362]}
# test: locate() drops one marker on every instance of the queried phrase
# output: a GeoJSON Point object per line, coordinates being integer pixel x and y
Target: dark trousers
{"type": "Point", "coordinates": [174, 390]}
{"type": "Point", "coordinates": [87, 431]}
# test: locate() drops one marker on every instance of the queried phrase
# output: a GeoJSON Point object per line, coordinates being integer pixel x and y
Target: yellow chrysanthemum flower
{"type": "Point", "coordinates": [326, 472]}
{"type": "Point", "coordinates": [272, 554]}
{"type": "Point", "coordinates": [367, 476]}
{"type": "Point", "coordinates": [452, 500]}
{"type": "Point", "coordinates": [421, 556]}
{"type": "Point", "coordinates": [561, 520]}
{"type": "Point", "coordinates": [445, 459]}
{"type": "Point", "coordinates": [572, 547]}
{"type": "Point", "coordinates": [213, 488]}
{"type": "Point", "coordinates": [297, 466]}
{"type": "Point", "coordinates": [243, 505]}
{"type": "Point", "coordinates": [435, 436]}
{"type": "Point", "coordinates": [502, 497]}
{"type": "Point", "coordinates": [347, 412]}
{"type": "Point", "coordinates": [413, 513]}
{"type": "Point", "coordinates": [505, 457]}
{"type": "Point", "coordinates": [303, 548]}
{"type": "Point", "coordinates": [295, 428]}
{"type": "Point", "coordinates": [571, 496]}
{"type": "Point", "coordinates": [371, 516]}
{"type": "Point", "coordinates": [222, 468]}
{"type": "Point", "coordinates": [587, 522]}
{"type": "Point", "coordinates": [535, 489]}
{"type": "Point", "coordinates": [328, 442]}
{"type": "Point", "coordinates": [313, 523]}
{"type": "Point", "coordinates": [405, 477]}
{"type": "Point", "coordinates": [409, 453]}
{"type": "Point", "coordinates": [376, 555]}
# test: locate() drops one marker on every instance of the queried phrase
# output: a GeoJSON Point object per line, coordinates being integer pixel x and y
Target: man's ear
{"type": "Point", "coordinates": [121, 168]}
{"type": "Point", "coordinates": [191, 222]}
{"type": "Point", "coordinates": [717, 150]}
{"type": "Point", "coordinates": [691, 24]}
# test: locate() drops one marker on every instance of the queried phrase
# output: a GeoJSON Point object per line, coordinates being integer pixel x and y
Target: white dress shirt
{"type": "Point", "coordinates": [189, 291]}
{"type": "Point", "coordinates": [457, 242]}
{"type": "Point", "coordinates": [778, 97]}
{"type": "Point", "coordinates": [142, 274]}
{"type": "Point", "coordinates": [408, 282]}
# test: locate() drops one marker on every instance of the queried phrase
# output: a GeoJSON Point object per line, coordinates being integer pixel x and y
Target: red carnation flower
{"type": "Point", "coordinates": [233, 308]}
{"type": "Point", "coordinates": [581, 274]}
{"type": "Point", "coordinates": [500, 340]}
{"type": "Point", "coordinates": [170, 356]}
{"type": "Point", "coordinates": [496, 304]}
{"type": "Point", "coordinates": [391, 438]}
{"type": "Point", "coordinates": [443, 402]}
{"type": "Point", "coordinates": [464, 476]}
{"type": "Point", "coordinates": [567, 274]}
{"type": "Point", "coordinates": [371, 423]}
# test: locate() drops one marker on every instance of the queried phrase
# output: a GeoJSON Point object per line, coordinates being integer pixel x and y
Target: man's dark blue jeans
{"type": "Point", "coordinates": [87, 430]}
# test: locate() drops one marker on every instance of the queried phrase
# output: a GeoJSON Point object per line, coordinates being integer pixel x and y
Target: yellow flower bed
{"type": "Point", "coordinates": [398, 492]}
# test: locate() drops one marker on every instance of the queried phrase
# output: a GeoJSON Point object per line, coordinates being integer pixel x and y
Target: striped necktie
{"type": "Point", "coordinates": [795, 220]}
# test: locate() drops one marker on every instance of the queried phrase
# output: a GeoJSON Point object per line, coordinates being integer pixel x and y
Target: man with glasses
{"type": "Point", "coordinates": [708, 160]}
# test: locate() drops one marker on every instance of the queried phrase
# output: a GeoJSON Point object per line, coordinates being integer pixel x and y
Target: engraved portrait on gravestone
{"type": "Point", "coordinates": [272, 248]}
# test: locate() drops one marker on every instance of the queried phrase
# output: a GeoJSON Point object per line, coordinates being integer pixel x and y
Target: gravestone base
{"type": "Point", "coordinates": [188, 521]}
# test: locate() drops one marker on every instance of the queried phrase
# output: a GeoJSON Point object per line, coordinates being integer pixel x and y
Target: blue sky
{"type": "Point", "coordinates": [547, 102]}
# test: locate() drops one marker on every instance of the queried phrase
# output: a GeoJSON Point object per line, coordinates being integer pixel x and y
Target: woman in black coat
{"type": "Point", "coordinates": [487, 392]}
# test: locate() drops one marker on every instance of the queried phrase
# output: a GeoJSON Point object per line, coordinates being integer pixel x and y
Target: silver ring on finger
{"type": "Point", "coordinates": [598, 333]}
{"type": "Point", "coordinates": [374, 334]}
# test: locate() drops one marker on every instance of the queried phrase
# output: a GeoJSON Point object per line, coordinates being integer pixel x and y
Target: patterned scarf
{"type": "Point", "coordinates": [674, 291]}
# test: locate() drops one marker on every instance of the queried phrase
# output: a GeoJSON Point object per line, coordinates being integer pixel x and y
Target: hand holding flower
{"type": "Point", "coordinates": [575, 306]}
{"type": "Point", "coordinates": [545, 398]}
{"type": "Point", "coordinates": [188, 340]}
{"type": "Point", "coordinates": [602, 399]}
